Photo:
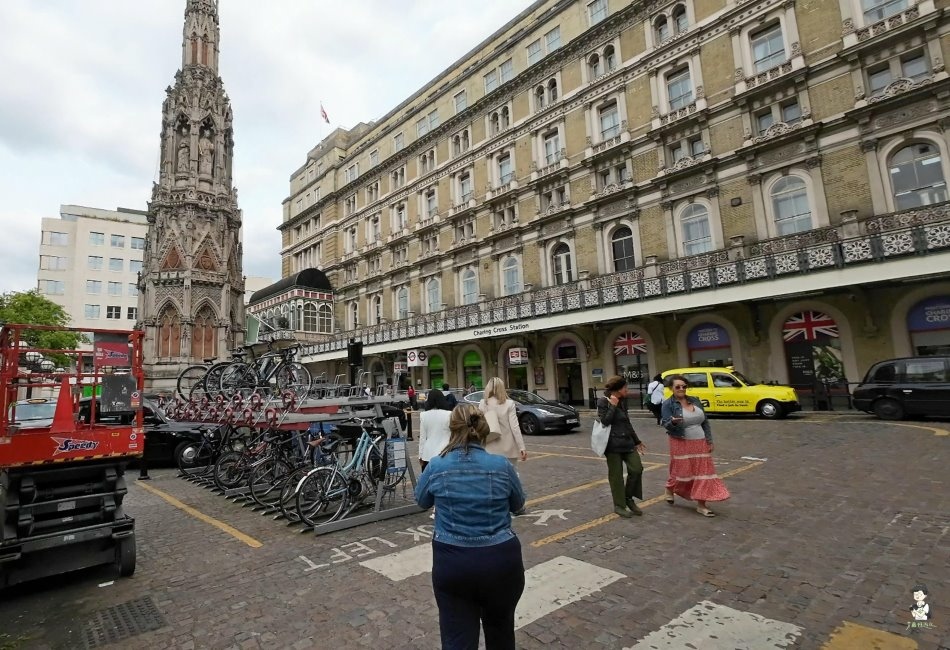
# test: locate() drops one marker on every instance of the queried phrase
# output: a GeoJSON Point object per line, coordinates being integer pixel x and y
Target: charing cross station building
{"type": "Point", "coordinates": [608, 187]}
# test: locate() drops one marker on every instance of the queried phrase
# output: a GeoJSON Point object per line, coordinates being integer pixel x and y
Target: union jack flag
{"type": "Point", "coordinates": [629, 343]}
{"type": "Point", "coordinates": [808, 325]}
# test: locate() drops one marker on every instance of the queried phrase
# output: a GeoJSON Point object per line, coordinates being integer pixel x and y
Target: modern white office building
{"type": "Point", "coordinates": [89, 262]}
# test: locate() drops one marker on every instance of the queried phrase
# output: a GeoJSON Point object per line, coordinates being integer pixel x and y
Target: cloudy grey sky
{"type": "Point", "coordinates": [83, 82]}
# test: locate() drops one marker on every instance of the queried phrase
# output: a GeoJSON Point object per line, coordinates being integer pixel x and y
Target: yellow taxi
{"type": "Point", "coordinates": [725, 390]}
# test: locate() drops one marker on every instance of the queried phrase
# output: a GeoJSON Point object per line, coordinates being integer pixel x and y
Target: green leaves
{"type": "Point", "coordinates": [30, 308]}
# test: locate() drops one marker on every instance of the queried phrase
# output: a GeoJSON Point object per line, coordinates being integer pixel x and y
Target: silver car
{"type": "Point", "coordinates": [536, 414]}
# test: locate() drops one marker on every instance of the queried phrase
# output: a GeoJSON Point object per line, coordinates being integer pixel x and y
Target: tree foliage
{"type": "Point", "coordinates": [30, 308]}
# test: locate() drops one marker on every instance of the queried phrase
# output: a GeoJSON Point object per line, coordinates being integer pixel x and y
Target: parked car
{"type": "Point", "coordinates": [896, 388]}
{"type": "Point", "coordinates": [33, 413]}
{"type": "Point", "coordinates": [163, 437]}
{"type": "Point", "coordinates": [536, 414]}
{"type": "Point", "coordinates": [725, 390]}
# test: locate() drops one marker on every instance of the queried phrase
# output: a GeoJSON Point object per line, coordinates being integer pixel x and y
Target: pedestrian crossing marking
{"type": "Point", "coordinates": [561, 581]}
{"type": "Point", "coordinates": [851, 635]}
{"type": "Point", "coordinates": [402, 564]}
{"type": "Point", "coordinates": [549, 586]}
{"type": "Point", "coordinates": [716, 627]}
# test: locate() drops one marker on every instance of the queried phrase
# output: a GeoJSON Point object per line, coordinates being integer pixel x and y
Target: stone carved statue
{"type": "Point", "coordinates": [206, 153]}
{"type": "Point", "coordinates": [184, 157]}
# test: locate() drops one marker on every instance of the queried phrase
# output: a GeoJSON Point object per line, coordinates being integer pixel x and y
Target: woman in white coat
{"type": "Point", "coordinates": [433, 427]}
{"type": "Point", "coordinates": [502, 418]}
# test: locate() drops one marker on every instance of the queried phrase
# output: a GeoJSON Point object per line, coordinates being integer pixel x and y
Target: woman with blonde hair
{"type": "Point", "coordinates": [502, 417]}
{"type": "Point", "coordinates": [477, 568]}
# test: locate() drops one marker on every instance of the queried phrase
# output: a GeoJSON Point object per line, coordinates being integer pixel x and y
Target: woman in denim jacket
{"type": "Point", "coordinates": [692, 473]}
{"type": "Point", "coordinates": [477, 569]}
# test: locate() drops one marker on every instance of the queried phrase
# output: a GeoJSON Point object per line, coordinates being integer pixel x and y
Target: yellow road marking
{"type": "Point", "coordinates": [220, 525]}
{"type": "Point", "coordinates": [851, 635]}
{"type": "Point", "coordinates": [606, 518]}
{"type": "Point", "coordinates": [937, 431]}
{"type": "Point", "coordinates": [584, 486]}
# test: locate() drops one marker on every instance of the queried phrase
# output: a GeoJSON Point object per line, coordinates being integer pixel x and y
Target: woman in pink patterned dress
{"type": "Point", "coordinates": [692, 473]}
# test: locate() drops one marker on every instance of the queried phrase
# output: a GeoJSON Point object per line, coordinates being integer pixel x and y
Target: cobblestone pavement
{"type": "Point", "coordinates": [832, 522]}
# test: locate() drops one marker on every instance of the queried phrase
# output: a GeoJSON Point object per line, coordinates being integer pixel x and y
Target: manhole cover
{"type": "Point", "coordinates": [122, 622]}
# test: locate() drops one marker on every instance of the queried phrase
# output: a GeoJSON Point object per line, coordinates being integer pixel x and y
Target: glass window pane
{"type": "Point", "coordinates": [791, 112]}
{"type": "Point", "coordinates": [914, 67]}
{"type": "Point", "coordinates": [878, 80]}
{"type": "Point", "coordinates": [768, 48]}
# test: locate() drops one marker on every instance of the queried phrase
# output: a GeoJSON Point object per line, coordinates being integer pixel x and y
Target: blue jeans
{"type": "Point", "coordinates": [473, 585]}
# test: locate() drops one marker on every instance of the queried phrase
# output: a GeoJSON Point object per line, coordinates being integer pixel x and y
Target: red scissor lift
{"type": "Point", "coordinates": [62, 484]}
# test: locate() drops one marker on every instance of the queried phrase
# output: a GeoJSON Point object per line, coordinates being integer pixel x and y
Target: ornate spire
{"type": "Point", "coordinates": [201, 35]}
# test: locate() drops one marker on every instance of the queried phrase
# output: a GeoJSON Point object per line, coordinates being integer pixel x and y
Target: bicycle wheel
{"type": "Point", "coordinates": [322, 496]}
{"type": "Point", "coordinates": [189, 378]}
{"type": "Point", "coordinates": [288, 493]}
{"type": "Point", "coordinates": [293, 377]}
{"type": "Point", "coordinates": [266, 480]}
{"type": "Point", "coordinates": [236, 378]}
{"type": "Point", "coordinates": [230, 470]}
{"type": "Point", "coordinates": [377, 467]}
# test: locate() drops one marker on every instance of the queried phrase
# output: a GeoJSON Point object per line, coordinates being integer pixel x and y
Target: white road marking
{"type": "Point", "coordinates": [402, 564]}
{"type": "Point", "coordinates": [551, 585]}
{"type": "Point", "coordinates": [716, 627]}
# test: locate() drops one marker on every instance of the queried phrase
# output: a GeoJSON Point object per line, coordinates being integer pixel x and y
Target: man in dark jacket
{"type": "Point", "coordinates": [449, 396]}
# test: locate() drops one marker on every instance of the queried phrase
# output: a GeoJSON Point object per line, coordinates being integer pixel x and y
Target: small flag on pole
{"type": "Point", "coordinates": [323, 114]}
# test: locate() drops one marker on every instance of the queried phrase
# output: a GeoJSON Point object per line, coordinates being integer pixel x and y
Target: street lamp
{"type": "Point", "coordinates": [47, 364]}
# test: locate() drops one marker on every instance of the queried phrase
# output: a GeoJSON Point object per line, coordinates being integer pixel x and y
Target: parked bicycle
{"type": "Point", "coordinates": [274, 372]}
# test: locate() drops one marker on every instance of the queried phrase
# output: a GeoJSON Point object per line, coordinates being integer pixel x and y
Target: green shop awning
{"type": "Point", "coordinates": [436, 362]}
{"type": "Point", "coordinates": [472, 359]}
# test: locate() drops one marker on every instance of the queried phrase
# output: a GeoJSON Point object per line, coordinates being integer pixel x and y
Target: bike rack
{"type": "Point", "coordinates": [276, 412]}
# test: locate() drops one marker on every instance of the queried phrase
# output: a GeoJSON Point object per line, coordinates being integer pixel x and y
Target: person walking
{"type": "Point", "coordinates": [623, 448]}
{"type": "Point", "coordinates": [692, 473]}
{"type": "Point", "coordinates": [449, 395]}
{"type": "Point", "coordinates": [411, 394]}
{"type": "Point", "coordinates": [433, 427]}
{"type": "Point", "coordinates": [477, 567]}
{"type": "Point", "coordinates": [502, 414]}
{"type": "Point", "coordinates": [655, 396]}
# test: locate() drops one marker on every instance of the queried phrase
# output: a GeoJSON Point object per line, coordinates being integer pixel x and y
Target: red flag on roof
{"type": "Point", "coordinates": [323, 114]}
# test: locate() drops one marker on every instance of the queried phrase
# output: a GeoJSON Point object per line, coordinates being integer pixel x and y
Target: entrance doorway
{"type": "Point", "coordinates": [517, 378]}
{"type": "Point", "coordinates": [928, 323]}
{"type": "Point", "coordinates": [570, 383]}
{"type": "Point", "coordinates": [709, 345]}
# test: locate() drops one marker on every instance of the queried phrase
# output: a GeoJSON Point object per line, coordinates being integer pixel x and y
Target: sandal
{"type": "Point", "coordinates": [669, 498]}
{"type": "Point", "coordinates": [706, 512]}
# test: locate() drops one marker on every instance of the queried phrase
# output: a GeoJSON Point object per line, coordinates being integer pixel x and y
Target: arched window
{"type": "Point", "coordinates": [377, 308]}
{"type": "Point", "coordinates": [325, 325]}
{"type": "Point", "coordinates": [456, 145]}
{"type": "Point", "coordinates": [469, 287]}
{"type": "Point", "coordinates": [354, 315]}
{"type": "Point", "coordinates": [511, 276]}
{"type": "Point", "coordinates": [610, 59]}
{"type": "Point", "coordinates": [310, 317]}
{"type": "Point", "coordinates": [562, 264]}
{"type": "Point", "coordinates": [433, 296]}
{"type": "Point", "coordinates": [661, 28]}
{"type": "Point", "coordinates": [621, 243]}
{"type": "Point", "coordinates": [917, 176]}
{"type": "Point", "coordinates": [505, 118]}
{"type": "Point", "coordinates": [790, 205]}
{"type": "Point", "coordinates": [204, 335]}
{"type": "Point", "coordinates": [593, 66]}
{"type": "Point", "coordinates": [495, 123]}
{"type": "Point", "coordinates": [169, 333]}
{"type": "Point", "coordinates": [680, 21]}
{"type": "Point", "coordinates": [552, 91]}
{"type": "Point", "coordinates": [694, 223]}
{"type": "Point", "coordinates": [402, 303]}
{"type": "Point", "coordinates": [539, 97]}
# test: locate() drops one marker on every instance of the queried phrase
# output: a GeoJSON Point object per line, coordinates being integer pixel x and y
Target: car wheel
{"type": "Point", "coordinates": [529, 424]}
{"type": "Point", "coordinates": [771, 410]}
{"type": "Point", "coordinates": [125, 556]}
{"type": "Point", "coordinates": [888, 409]}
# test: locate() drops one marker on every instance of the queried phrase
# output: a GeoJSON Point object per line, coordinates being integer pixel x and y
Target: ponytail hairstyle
{"type": "Point", "coordinates": [467, 425]}
{"type": "Point", "coordinates": [496, 388]}
{"type": "Point", "coordinates": [614, 384]}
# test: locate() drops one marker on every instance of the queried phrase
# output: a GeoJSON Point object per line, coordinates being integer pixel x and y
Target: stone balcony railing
{"type": "Point", "coordinates": [854, 243]}
{"type": "Point", "coordinates": [854, 36]}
